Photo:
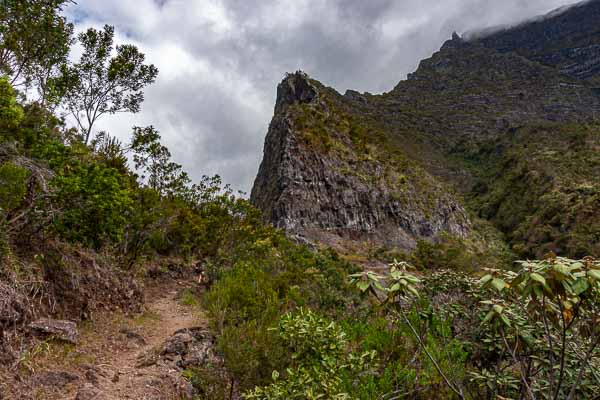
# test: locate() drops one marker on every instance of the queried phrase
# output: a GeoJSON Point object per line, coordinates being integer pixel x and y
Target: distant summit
{"type": "Point", "coordinates": [567, 38]}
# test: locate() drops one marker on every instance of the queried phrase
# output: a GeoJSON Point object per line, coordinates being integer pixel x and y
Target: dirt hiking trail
{"type": "Point", "coordinates": [120, 357]}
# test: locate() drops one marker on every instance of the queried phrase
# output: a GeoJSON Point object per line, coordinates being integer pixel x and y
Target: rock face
{"type": "Point", "coordinates": [330, 191]}
{"type": "Point", "coordinates": [393, 169]}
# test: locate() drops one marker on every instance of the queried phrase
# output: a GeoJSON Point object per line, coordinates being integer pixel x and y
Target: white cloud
{"type": "Point", "coordinates": [220, 60]}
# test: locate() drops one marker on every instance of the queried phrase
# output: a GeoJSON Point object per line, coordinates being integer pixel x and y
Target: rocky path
{"type": "Point", "coordinates": [119, 357]}
{"type": "Point", "coordinates": [134, 372]}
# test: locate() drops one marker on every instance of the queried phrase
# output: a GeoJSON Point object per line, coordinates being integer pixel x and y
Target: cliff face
{"type": "Point", "coordinates": [320, 179]}
{"type": "Point", "coordinates": [509, 121]}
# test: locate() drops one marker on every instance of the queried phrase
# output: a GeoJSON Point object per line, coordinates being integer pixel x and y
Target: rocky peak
{"type": "Point", "coordinates": [455, 42]}
{"type": "Point", "coordinates": [295, 88]}
{"type": "Point", "coordinates": [326, 177]}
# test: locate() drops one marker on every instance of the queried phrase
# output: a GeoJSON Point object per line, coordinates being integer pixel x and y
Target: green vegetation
{"type": "Point", "coordinates": [543, 189]}
{"type": "Point", "coordinates": [95, 200]}
{"type": "Point", "coordinates": [320, 358]}
{"type": "Point", "coordinates": [291, 323]}
{"type": "Point", "coordinates": [261, 279]}
{"type": "Point", "coordinates": [12, 186]}
{"type": "Point", "coordinates": [10, 113]}
{"type": "Point", "coordinates": [536, 336]}
{"type": "Point", "coordinates": [553, 342]}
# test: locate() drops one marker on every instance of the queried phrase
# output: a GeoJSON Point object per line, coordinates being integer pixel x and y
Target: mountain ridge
{"type": "Point", "coordinates": [465, 111]}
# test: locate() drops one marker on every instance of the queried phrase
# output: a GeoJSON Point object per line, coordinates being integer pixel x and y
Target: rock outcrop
{"type": "Point", "coordinates": [319, 182]}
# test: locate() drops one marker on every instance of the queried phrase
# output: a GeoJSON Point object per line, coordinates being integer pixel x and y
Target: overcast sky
{"type": "Point", "coordinates": [220, 60]}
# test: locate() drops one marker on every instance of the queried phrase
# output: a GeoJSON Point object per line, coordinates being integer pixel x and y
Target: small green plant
{"type": "Point", "coordinates": [147, 317]}
{"type": "Point", "coordinates": [188, 298]}
{"type": "Point", "coordinates": [209, 382]}
{"type": "Point", "coordinates": [27, 359]}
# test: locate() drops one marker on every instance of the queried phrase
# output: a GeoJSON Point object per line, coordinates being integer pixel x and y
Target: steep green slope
{"type": "Point", "coordinates": [541, 186]}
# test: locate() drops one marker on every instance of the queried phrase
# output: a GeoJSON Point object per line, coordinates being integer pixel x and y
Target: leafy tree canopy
{"type": "Point", "coordinates": [107, 79]}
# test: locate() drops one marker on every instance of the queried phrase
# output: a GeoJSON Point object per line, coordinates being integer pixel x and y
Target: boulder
{"type": "Point", "coordinates": [88, 392]}
{"type": "Point", "coordinates": [178, 343]}
{"type": "Point", "coordinates": [56, 378]}
{"type": "Point", "coordinates": [61, 329]}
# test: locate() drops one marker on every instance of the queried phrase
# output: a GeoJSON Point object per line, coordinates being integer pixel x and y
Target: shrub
{"type": "Point", "coordinates": [320, 357]}
{"type": "Point", "coordinates": [440, 355]}
{"type": "Point", "coordinates": [94, 203]}
{"type": "Point", "coordinates": [13, 186]}
{"type": "Point", "coordinates": [543, 322]}
{"type": "Point", "coordinates": [259, 276]}
{"type": "Point", "coordinates": [11, 112]}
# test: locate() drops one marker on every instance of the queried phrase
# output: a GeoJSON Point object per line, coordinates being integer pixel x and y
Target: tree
{"type": "Point", "coordinates": [102, 83]}
{"type": "Point", "coordinates": [34, 42]}
{"type": "Point", "coordinates": [154, 161]}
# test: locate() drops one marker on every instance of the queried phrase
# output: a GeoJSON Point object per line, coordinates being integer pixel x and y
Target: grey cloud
{"type": "Point", "coordinates": [221, 60]}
